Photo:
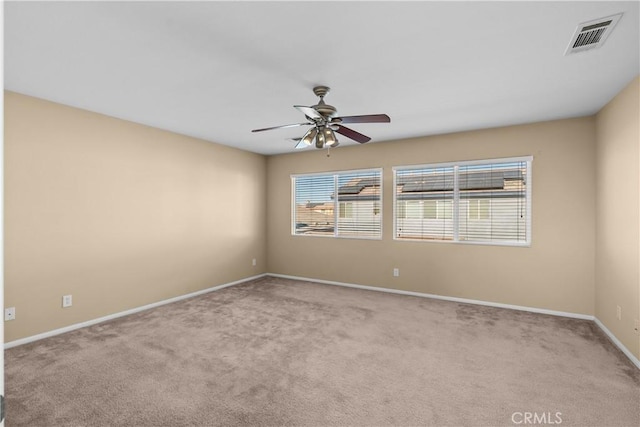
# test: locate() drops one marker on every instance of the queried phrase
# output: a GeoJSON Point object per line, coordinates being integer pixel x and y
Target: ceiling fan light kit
{"type": "Point", "coordinates": [325, 121]}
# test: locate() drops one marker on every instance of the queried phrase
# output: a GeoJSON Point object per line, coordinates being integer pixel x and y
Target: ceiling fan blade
{"type": "Point", "coordinates": [300, 144]}
{"type": "Point", "coordinates": [282, 127]}
{"type": "Point", "coordinates": [367, 118]}
{"type": "Point", "coordinates": [308, 111]}
{"type": "Point", "coordinates": [350, 133]}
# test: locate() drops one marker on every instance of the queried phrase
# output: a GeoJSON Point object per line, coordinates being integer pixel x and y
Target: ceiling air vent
{"type": "Point", "coordinates": [592, 34]}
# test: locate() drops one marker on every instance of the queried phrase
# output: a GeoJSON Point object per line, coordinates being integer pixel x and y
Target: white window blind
{"type": "Point", "coordinates": [493, 202]}
{"type": "Point", "coordinates": [338, 204]}
{"type": "Point", "coordinates": [422, 194]}
{"type": "Point", "coordinates": [475, 202]}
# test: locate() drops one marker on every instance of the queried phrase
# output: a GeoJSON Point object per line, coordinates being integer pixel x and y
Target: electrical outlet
{"type": "Point", "coordinates": [618, 312]}
{"type": "Point", "coordinates": [67, 301]}
{"type": "Point", "coordinates": [254, 262]}
{"type": "Point", "coordinates": [396, 272]}
{"type": "Point", "coordinates": [9, 313]}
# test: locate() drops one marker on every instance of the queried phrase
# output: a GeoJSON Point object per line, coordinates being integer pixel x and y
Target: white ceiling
{"type": "Point", "coordinates": [216, 70]}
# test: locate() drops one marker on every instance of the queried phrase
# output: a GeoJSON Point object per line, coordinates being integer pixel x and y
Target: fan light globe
{"type": "Point", "coordinates": [329, 137]}
{"type": "Point", "coordinates": [309, 136]}
{"type": "Point", "coordinates": [320, 138]}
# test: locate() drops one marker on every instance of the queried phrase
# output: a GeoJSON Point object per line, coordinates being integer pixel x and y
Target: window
{"type": "Point", "coordinates": [346, 210]}
{"type": "Point", "coordinates": [478, 209]}
{"type": "Point", "coordinates": [426, 209]}
{"type": "Point", "coordinates": [475, 202]}
{"type": "Point", "coordinates": [438, 209]}
{"type": "Point", "coordinates": [338, 204]}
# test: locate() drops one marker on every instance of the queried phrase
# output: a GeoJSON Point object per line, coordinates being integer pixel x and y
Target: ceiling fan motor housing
{"type": "Point", "coordinates": [327, 111]}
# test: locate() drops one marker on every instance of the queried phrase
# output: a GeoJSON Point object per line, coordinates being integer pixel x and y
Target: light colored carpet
{"type": "Point", "coordinates": [282, 352]}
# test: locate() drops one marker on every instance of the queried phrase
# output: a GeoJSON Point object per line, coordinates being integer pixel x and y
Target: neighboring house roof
{"type": "Point", "coordinates": [360, 189]}
{"type": "Point", "coordinates": [480, 180]}
{"type": "Point", "coordinates": [504, 183]}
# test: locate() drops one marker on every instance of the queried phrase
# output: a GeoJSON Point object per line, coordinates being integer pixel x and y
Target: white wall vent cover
{"type": "Point", "coordinates": [592, 34]}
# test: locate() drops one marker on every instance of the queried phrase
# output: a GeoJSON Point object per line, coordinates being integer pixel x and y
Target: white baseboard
{"type": "Point", "coordinates": [75, 326]}
{"type": "Point", "coordinates": [616, 341]}
{"type": "Point", "coordinates": [125, 313]}
{"type": "Point", "coordinates": [618, 344]}
{"type": "Point", "coordinates": [441, 297]}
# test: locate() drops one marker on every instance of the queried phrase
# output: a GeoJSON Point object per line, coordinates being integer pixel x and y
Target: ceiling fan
{"type": "Point", "coordinates": [325, 122]}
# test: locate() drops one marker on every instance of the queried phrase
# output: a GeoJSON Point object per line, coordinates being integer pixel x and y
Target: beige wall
{"type": "Point", "coordinates": [119, 215]}
{"type": "Point", "coordinates": [556, 272]}
{"type": "Point", "coordinates": [618, 213]}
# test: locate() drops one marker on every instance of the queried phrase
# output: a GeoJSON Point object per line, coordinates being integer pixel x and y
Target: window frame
{"type": "Point", "coordinates": [456, 201]}
{"type": "Point", "coordinates": [336, 203]}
